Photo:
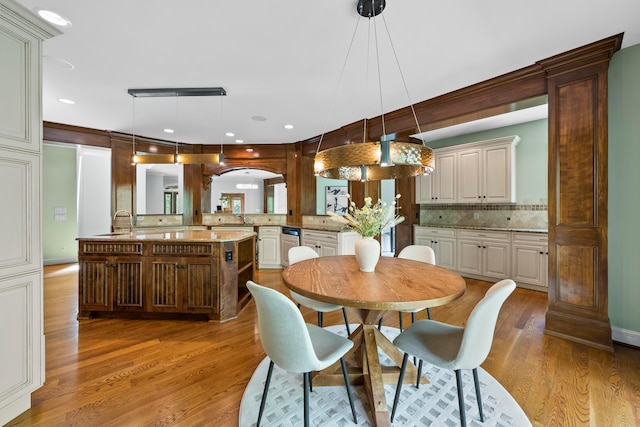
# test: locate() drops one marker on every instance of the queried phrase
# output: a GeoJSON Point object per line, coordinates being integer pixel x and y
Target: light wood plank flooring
{"type": "Point", "coordinates": [103, 372]}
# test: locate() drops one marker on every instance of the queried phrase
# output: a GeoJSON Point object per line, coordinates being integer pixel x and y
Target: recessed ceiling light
{"type": "Point", "coordinates": [239, 141]}
{"type": "Point", "coordinates": [53, 17]}
{"type": "Point", "coordinates": [67, 101]}
{"type": "Point", "coordinates": [168, 130]}
{"type": "Point", "coordinates": [230, 134]}
{"type": "Point", "coordinates": [58, 62]}
{"type": "Point", "coordinates": [288, 126]}
{"type": "Point", "coordinates": [249, 150]}
{"type": "Point", "coordinates": [259, 118]}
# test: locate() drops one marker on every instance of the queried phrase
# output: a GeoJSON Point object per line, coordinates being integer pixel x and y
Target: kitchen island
{"type": "Point", "coordinates": [151, 274]}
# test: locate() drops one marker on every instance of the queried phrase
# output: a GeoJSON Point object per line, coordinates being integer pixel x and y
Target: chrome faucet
{"type": "Point", "coordinates": [130, 219]}
{"type": "Point", "coordinates": [243, 218]}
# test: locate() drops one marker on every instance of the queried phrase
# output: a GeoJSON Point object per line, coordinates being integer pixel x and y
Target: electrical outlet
{"type": "Point", "coordinates": [476, 215]}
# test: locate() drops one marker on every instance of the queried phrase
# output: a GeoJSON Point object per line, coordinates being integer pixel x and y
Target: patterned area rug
{"type": "Point", "coordinates": [433, 404]}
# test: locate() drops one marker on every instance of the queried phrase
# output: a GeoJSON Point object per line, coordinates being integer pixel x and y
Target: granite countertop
{"type": "Point", "coordinates": [183, 236]}
{"type": "Point", "coordinates": [486, 228]}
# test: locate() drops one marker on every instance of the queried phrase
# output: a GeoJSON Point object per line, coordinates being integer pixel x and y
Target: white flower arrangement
{"type": "Point", "coordinates": [370, 220]}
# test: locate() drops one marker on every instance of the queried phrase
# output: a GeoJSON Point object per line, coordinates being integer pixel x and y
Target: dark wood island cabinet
{"type": "Point", "coordinates": [173, 274]}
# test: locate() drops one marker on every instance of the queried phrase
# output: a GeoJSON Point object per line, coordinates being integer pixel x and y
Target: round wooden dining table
{"type": "Point", "coordinates": [396, 284]}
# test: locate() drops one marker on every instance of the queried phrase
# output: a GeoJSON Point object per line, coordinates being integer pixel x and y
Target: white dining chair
{"type": "Point", "coordinates": [455, 347]}
{"type": "Point", "coordinates": [296, 346]}
{"type": "Point", "coordinates": [417, 253]}
{"type": "Point", "coordinates": [302, 253]}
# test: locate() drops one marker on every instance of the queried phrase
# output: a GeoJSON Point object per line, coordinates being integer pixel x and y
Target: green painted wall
{"type": "Point", "coordinates": [59, 191]}
{"type": "Point", "coordinates": [624, 179]}
{"type": "Point", "coordinates": [531, 156]}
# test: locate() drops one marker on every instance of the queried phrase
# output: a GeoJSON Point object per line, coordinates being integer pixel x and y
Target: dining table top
{"type": "Point", "coordinates": [396, 283]}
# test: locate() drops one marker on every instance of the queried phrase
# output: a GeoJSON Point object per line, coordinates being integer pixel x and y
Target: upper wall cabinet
{"type": "Point", "coordinates": [20, 111]}
{"type": "Point", "coordinates": [478, 172]}
{"type": "Point", "coordinates": [439, 186]}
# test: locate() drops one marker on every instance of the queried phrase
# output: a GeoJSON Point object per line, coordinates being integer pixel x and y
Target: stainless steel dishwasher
{"type": "Point", "coordinates": [289, 238]}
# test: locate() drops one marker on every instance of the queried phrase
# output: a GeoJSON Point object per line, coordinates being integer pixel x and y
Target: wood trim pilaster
{"type": "Point", "coordinates": [578, 170]}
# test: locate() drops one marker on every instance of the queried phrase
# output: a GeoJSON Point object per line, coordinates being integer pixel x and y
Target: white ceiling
{"type": "Point", "coordinates": [282, 59]}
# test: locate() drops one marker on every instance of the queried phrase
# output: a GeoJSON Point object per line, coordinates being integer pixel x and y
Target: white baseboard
{"type": "Point", "coordinates": [54, 261]}
{"type": "Point", "coordinates": [625, 336]}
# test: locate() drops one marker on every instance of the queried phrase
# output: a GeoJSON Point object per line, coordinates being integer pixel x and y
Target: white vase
{"type": "Point", "coordinates": [367, 253]}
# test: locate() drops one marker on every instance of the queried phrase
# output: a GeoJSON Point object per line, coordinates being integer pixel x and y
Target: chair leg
{"type": "Point", "coordinates": [346, 320]}
{"type": "Point", "coordinates": [419, 374]}
{"type": "Point", "coordinates": [310, 383]}
{"type": "Point", "coordinates": [380, 324]}
{"type": "Point", "coordinates": [347, 384]}
{"type": "Point", "coordinates": [413, 317]}
{"type": "Point", "coordinates": [399, 386]}
{"type": "Point", "coordinates": [428, 313]}
{"type": "Point", "coordinates": [478, 396]}
{"type": "Point", "coordinates": [264, 393]}
{"type": "Point", "coordinates": [320, 318]}
{"type": "Point", "coordinates": [463, 416]}
{"type": "Point", "coordinates": [305, 381]}
{"type": "Point", "coordinates": [400, 318]}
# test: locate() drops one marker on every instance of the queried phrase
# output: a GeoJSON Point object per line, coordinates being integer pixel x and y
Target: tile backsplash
{"type": "Point", "coordinates": [532, 216]}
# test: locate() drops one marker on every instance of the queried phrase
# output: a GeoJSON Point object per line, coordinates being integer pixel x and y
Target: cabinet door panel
{"type": "Point", "coordinates": [446, 178]}
{"type": "Point", "coordinates": [269, 251]}
{"type": "Point", "coordinates": [20, 225]}
{"type": "Point", "coordinates": [329, 250]}
{"type": "Point", "coordinates": [20, 107]}
{"type": "Point", "coordinates": [201, 286]}
{"type": "Point", "coordinates": [470, 256]}
{"type": "Point", "coordinates": [128, 284]}
{"type": "Point", "coordinates": [497, 176]}
{"type": "Point", "coordinates": [164, 286]}
{"type": "Point", "coordinates": [496, 260]}
{"type": "Point", "coordinates": [469, 176]}
{"type": "Point", "coordinates": [93, 283]}
{"type": "Point", "coordinates": [526, 264]}
{"type": "Point", "coordinates": [445, 253]}
{"type": "Point", "coordinates": [424, 241]}
{"type": "Point", "coordinates": [424, 192]}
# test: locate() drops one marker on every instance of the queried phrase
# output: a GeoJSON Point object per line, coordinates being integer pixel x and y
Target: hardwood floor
{"type": "Point", "coordinates": [109, 372]}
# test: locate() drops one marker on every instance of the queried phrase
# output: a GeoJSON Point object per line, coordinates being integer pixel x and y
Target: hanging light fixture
{"type": "Point", "coordinates": [184, 158]}
{"type": "Point", "coordinates": [388, 158]}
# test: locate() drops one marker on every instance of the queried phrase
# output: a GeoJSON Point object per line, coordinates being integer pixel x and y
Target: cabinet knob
{"type": "Point", "coordinates": [479, 247]}
{"type": "Point", "coordinates": [541, 253]}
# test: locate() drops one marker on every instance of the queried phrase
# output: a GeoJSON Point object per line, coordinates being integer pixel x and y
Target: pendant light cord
{"type": "Point", "coordinates": [176, 128]}
{"type": "Point", "coordinates": [133, 116]}
{"type": "Point", "coordinates": [395, 55]}
{"type": "Point", "coordinates": [344, 65]}
{"type": "Point", "coordinates": [375, 31]}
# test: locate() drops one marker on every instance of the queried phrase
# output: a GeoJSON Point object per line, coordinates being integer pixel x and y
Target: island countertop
{"type": "Point", "coordinates": [181, 235]}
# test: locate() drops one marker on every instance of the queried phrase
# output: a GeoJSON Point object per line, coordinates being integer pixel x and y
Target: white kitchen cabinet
{"type": "Point", "coordinates": [442, 241]}
{"type": "Point", "coordinates": [486, 171]}
{"type": "Point", "coordinates": [269, 247]}
{"type": "Point", "coordinates": [330, 243]}
{"type": "Point", "coordinates": [21, 298]}
{"type": "Point", "coordinates": [530, 258]}
{"type": "Point", "coordinates": [484, 253]}
{"type": "Point", "coordinates": [440, 185]}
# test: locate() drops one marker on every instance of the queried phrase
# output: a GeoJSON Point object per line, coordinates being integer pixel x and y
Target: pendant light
{"type": "Point", "coordinates": [375, 160]}
{"type": "Point", "coordinates": [185, 158]}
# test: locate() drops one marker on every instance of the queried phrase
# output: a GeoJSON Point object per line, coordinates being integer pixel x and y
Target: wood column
{"type": "Point", "coordinates": [578, 289]}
